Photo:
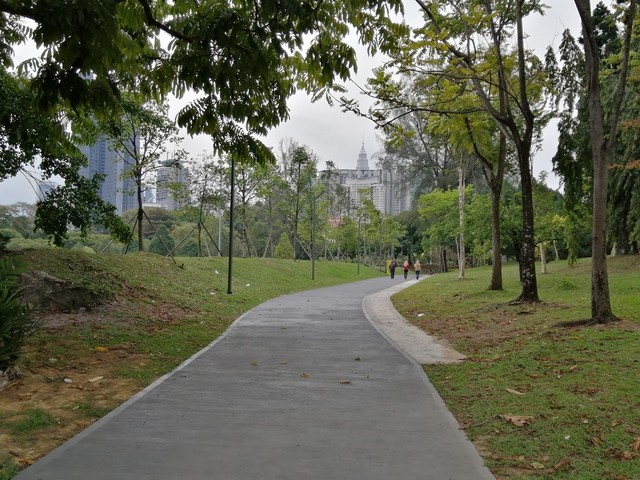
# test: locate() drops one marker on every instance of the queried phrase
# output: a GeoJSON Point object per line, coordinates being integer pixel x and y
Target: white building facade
{"type": "Point", "coordinates": [389, 197]}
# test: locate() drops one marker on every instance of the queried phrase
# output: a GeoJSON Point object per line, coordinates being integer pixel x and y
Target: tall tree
{"type": "Point", "coordinates": [299, 170]}
{"type": "Point", "coordinates": [141, 134]}
{"type": "Point", "coordinates": [603, 140]}
{"type": "Point", "coordinates": [468, 47]}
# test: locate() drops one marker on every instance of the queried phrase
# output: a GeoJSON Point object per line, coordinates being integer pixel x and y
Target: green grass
{"type": "Point", "coordinates": [581, 385]}
{"type": "Point", "coordinates": [91, 411]}
{"type": "Point", "coordinates": [29, 421]}
{"type": "Point", "coordinates": [169, 310]}
{"type": "Point", "coordinates": [7, 469]}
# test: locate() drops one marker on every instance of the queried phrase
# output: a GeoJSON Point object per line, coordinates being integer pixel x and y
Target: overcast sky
{"type": "Point", "coordinates": [337, 136]}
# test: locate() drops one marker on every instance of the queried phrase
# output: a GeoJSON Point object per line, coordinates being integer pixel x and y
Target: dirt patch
{"type": "Point", "coordinates": [56, 399]}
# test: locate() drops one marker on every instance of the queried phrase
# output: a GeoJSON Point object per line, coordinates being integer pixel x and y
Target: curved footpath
{"type": "Point", "coordinates": [304, 386]}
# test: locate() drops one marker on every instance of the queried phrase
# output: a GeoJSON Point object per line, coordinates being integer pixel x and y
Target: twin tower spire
{"type": "Point", "coordinates": [363, 161]}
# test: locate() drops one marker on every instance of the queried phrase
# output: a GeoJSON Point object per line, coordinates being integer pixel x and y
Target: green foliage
{"type": "Point", "coordinates": [15, 321]}
{"type": "Point", "coordinates": [17, 244]}
{"type": "Point", "coordinates": [189, 249]}
{"type": "Point", "coordinates": [78, 204]}
{"type": "Point", "coordinates": [244, 60]}
{"type": "Point", "coordinates": [284, 249]}
{"type": "Point", "coordinates": [9, 233]}
{"type": "Point", "coordinates": [161, 243]}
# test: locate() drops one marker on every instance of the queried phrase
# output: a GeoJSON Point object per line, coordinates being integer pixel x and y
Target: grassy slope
{"type": "Point", "coordinates": [157, 314]}
{"type": "Point", "coordinates": [580, 386]}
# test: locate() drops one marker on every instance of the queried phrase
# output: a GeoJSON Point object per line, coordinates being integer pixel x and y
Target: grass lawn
{"type": "Point", "coordinates": [538, 400]}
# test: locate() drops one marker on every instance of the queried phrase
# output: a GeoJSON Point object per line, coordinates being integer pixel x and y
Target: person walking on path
{"type": "Point", "coordinates": [405, 268]}
{"type": "Point", "coordinates": [392, 267]}
{"type": "Point", "coordinates": [417, 267]}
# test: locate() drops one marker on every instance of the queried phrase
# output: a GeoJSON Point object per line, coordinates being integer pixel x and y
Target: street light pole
{"type": "Point", "coordinates": [313, 238]}
{"type": "Point", "coordinates": [231, 226]}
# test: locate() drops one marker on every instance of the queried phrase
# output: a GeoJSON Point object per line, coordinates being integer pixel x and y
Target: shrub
{"type": "Point", "coordinates": [15, 322]}
{"type": "Point", "coordinates": [284, 249]}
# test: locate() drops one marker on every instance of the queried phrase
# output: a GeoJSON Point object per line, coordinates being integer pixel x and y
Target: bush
{"type": "Point", "coordinates": [284, 249]}
{"type": "Point", "coordinates": [15, 322]}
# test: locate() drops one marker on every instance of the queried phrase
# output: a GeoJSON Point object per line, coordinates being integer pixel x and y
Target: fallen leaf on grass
{"type": "Point", "coordinates": [625, 456]}
{"type": "Point", "coordinates": [518, 420]}
{"type": "Point", "coordinates": [561, 464]}
{"type": "Point", "coordinates": [102, 349]}
{"type": "Point", "coordinates": [537, 465]}
{"type": "Point", "coordinates": [515, 392]}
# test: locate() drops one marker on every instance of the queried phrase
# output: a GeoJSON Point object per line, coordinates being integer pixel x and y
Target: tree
{"type": "Point", "coordinates": [602, 147]}
{"type": "Point", "coordinates": [461, 64]}
{"type": "Point", "coordinates": [515, 113]}
{"type": "Point", "coordinates": [439, 208]}
{"type": "Point", "coordinates": [141, 135]}
{"type": "Point", "coordinates": [299, 173]}
{"type": "Point", "coordinates": [284, 249]}
{"type": "Point", "coordinates": [243, 60]}
{"type": "Point", "coordinates": [28, 134]}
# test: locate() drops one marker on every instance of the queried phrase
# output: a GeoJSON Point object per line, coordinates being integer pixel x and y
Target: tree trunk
{"type": "Point", "coordinates": [523, 145]}
{"type": "Point", "coordinates": [601, 147]}
{"type": "Point", "coordinates": [496, 250]}
{"type": "Point", "coordinates": [495, 181]}
{"type": "Point", "coordinates": [527, 257]}
{"type": "Point", "coordinates": [461, 200]}
{"type": "Point", "coordinates": [555, 251]}
{"type": "Point", "coordinates": [543, 257]}
{"type": "Point", "coordinates": [140, 214]}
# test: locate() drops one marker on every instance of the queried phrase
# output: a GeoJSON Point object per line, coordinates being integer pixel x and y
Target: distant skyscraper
{"type": "Point", "coordinates": [170, 174]}
{"type": "Point", "coordinates": [116, 188]}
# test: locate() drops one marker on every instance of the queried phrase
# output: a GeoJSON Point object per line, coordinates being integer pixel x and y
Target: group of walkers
{"type": "Point", "coordinates": [405, 268]}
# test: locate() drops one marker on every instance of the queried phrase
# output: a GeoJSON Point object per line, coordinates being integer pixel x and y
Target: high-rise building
{"type": "Point", "coordinates": [170, 174]}
{"type": "Point", "coordinates": [387, 195]}
{"type": "Point", "coordinates": [116, 187]}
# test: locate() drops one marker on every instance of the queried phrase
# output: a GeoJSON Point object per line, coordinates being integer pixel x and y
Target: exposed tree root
{"type": "Point", "coordinates": [588, 322]}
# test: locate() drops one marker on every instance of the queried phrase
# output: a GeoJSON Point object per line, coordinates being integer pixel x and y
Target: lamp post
{"type": "Point", "coordinates": [231, 226]}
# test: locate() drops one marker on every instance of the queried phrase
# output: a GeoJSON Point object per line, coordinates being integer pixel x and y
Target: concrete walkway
{"type": "Point", "coordinates": [301, 387]}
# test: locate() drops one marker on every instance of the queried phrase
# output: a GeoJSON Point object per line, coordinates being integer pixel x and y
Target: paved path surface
{"type": "Point", "coordinates": [302, 387]}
